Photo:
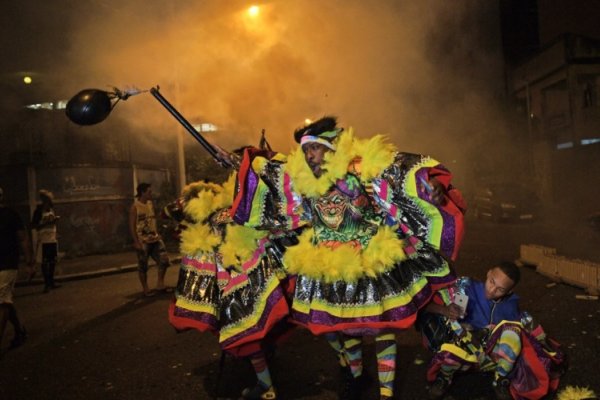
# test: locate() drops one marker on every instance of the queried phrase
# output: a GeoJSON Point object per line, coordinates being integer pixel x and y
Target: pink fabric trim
{"type": "Point", "coordinates": [199, 265]}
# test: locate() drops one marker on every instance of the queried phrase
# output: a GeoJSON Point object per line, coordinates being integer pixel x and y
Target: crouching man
{"type": "Point", "coordinates": [479, 325]}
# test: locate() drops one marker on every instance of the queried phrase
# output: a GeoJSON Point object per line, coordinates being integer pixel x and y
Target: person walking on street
{"type": "Point", "coordinates": [44, 222]}
{"type": "Point", "coordinates": [13, 239]}
{"type": "Point", "coordinates": [146, 240]}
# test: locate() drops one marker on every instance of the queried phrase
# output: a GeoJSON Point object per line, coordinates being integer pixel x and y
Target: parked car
{"type": "Point", "coordinates": [505, 202]}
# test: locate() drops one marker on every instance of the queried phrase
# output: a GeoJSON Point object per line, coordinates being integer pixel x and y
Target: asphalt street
{"type": "Point", "coordinates": [99, 339]}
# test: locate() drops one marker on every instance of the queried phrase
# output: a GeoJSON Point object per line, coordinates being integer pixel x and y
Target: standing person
{"type": "Point", "coordinates": [44, 222]}
{"type": "Point", "coordinates": [13, 237]}
{"type": "Point", "coordinates": [146, 240]}
{"type": "Point", "coordinates": [381, 224]}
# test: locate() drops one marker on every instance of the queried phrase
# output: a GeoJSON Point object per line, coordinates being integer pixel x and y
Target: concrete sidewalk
{"type": "Point", "coordinates": [91, 266]}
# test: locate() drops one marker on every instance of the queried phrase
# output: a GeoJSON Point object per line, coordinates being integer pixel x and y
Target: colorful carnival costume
{"type": "Point", "coordinates": [495, 336]}
{"type": "Point", "coordinates": [231, 281]}
{"type": "Point", "coordinates": [373, 256]}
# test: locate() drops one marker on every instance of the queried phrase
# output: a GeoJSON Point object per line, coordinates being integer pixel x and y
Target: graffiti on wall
{"type": "Point", "coordinates": [85, 182]}
{"type": "Point", "coordinates": [93, 227]}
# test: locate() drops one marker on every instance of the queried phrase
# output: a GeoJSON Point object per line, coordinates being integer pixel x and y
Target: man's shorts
{"type": "Point", "coordinates": [8, 277]}
{"type": "Point", "coordinates": [157, 251]}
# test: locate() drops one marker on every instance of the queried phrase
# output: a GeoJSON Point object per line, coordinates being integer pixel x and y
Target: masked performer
{"type": "Point", "coordinates": [382, 223]}
{"type": "Point", "coordinates": [230, 280]}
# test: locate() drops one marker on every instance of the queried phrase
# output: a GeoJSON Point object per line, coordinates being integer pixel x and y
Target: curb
{"type": "Point", "coordinates": [88, 274]}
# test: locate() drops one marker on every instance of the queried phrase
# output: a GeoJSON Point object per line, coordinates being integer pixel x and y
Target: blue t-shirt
{"type": "Point", "coordinates": [482, 312]}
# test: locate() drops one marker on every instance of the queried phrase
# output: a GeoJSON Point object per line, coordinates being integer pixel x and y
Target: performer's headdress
{"type": "Point", "coordinates": [323, 131]}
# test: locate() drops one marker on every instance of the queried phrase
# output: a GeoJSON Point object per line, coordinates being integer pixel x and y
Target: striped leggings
{"type": "Point", "coordinates": [349, 350]}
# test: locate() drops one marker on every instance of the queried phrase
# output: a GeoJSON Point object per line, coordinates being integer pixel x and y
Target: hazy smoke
{"type": "Point", "coordinates": [419, 71]}
{"type": "Point", "coordinates": [426, 72]}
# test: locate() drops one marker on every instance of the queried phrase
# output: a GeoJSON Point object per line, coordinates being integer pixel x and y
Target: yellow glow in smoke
{"type": "Point", "coordinates": [27, 80]}
{"type": "Point", "coordinates": [307, 121]}
{"type": "Point", "coordinates": [253, 11]}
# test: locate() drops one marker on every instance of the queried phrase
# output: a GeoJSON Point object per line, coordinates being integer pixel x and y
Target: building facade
{"type": "Point", "coordinates": [92, 172]}
{"type": "Point", "coordinates": [558, 89]}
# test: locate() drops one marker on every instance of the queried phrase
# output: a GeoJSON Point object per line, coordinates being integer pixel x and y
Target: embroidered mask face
{"type": "Point", "coordinates": [331, 209]}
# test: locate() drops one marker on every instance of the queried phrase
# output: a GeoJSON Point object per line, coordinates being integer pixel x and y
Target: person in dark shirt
{"type": "Point", "coordinates": [13, 238]}
{"type": "Point", "coordinates": [492, 334]}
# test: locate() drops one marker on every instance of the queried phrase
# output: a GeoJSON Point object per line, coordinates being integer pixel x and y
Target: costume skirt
{"type": "Point", "coordinates": [242, 308]}
{"type": "Point", "coordinates": [389, 300]}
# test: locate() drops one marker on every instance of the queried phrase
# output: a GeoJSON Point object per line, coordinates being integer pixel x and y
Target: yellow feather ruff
{"type": "Point", "coordinates": [204, 198]}
{"type": "Point", "coordinates": [240, 244]}
{"type": "Point", "coordinates": [303, 179]}
{"type": "Point", "coordinates": [200, 207]}
{"type": "Point", "coordinates": [192, 189]}
{"type": "Point", "coordinates": [336, 162]}
{"type": "Point", "coordinates": [375, 155]}
{"type": "Point", "coordinates": [384, 250]}
{"type": "Point", "coordinates": [345, 262]}
{"type": "Point", "coordinates": [198, 237]}
{"type": "Point", "coordinates": [576, 393]}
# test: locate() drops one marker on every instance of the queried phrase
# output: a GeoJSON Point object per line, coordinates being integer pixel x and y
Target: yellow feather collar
{"type": "Point", "coordinates": [206, 198]}
{"type": "Point", "coordinates": [203, 199]}
{"type": "Point", "coordinates": [239, 245]}
{"type": "Point", "coordinates": [375, 155]}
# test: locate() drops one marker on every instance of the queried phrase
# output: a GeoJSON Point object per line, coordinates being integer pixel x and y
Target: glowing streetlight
{"type": "Point", "coordinates": [253, 11]}
{"type": "Point", "coordinates": [27, 80]}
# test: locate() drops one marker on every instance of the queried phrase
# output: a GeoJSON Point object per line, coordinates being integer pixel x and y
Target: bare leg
{"type": "Point", "coordinates": [142, 255]}
{"type": "Point", "coordinates": [162, 264]}
{"type": "Point", "coordinates": [160, 283]}
{"type": "Point", "coordinates": [144, 281]}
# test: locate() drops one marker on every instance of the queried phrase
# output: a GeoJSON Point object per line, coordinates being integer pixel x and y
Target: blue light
{"type": "Point", "coordinates": [589, 141]}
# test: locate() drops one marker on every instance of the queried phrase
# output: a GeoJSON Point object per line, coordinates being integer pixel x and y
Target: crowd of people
{"type": "Point", "coordinates": [346, 237]}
